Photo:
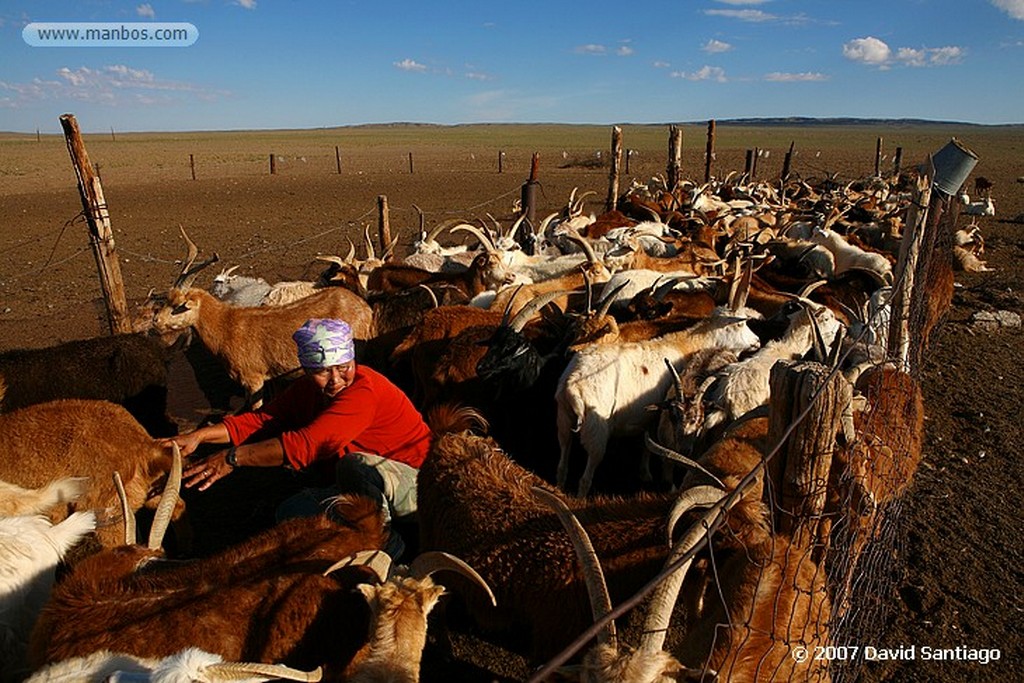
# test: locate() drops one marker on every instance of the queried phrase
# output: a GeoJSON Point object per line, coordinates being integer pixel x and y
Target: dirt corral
{"type": "Point", "coordinates": [955, 569]}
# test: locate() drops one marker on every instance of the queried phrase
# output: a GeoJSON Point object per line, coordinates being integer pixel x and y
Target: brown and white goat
{"type": "Point", "coordinates": [79, 438]}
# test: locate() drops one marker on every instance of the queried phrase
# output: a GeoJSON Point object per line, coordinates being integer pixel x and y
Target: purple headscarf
{"type": "Point", "coordinates": [323, 342]}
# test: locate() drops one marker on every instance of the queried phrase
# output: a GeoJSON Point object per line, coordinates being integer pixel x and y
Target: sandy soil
{"type": "Point", "coordinates": [956, 575]}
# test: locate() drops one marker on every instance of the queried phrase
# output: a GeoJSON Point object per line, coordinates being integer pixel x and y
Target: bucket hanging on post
{"type": "Point", "coordinates": [953, 163]}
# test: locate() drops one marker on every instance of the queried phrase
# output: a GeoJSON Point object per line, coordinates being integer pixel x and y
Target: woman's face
{"type": "Point", "coordinates": [334, 379]}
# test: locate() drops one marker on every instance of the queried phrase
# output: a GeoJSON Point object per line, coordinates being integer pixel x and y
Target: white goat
{"type": "Point", "coordinates": [981, 207]}
{"type": "Point", "coordinates": [742, 386]}
{"type": "Point", "coordinates": [15, 500]}
{"type": "Point", "coordinates": [849, 256]}
{"type": "Point", "coordinates": [191, 665]}
{"type": "Point", "coordinates": [239, 290]}
{"type": "Point", "coordinates": [606, 388]}
{"type": "Point", "coordinates": [30, 549]}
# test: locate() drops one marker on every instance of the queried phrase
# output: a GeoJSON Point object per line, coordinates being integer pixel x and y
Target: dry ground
{"type": "Point", "coordinates": [960, 583]}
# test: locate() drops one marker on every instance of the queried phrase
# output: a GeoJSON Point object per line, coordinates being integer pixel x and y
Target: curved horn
{"type": "Point", "coordinates": [663, 600]}
{"type": "Point", "coordinates": [664, 452]}
{"type": "Point", "coordinates": [427, 563]}
{"type": "Point", "coordinates": [593, 576]}
{"type": "Point", "coordinates": [433, 297]}
{"type": "Point", "coordinates": [485, 241]}
{"type": "Point", "coordinates": [677, 381]}
{"type": "Point", "coordinates": [806, 291]}
{"type": "Point", "coordinates": [608, 299]}
{"type": "Point", "coordinates": [168, 499]}
{"type": "Point", "coordinates": [350, 257]}
{"type": "Point", "coordinates": [542, 228]}
{"type": "Point", "coordinates": [126, 511]}
{"type": "Point", "coordinates": [233, 671]}
{"type": "Point", "coordinates": [508, 307]}
{"type": "Point", "coordinates": [376, 560]}
{"type": "Point", "coordinates": [370, 253]}
{"type": "Point", "coordinates": [515, 226]}
{"type": "Point", "coordinates": [584, 245]}
{"type": "Point", "coordinates": [336, 260]}
{"type": "Point", "coordinates": [189, 270]}
{"type": "Point", "coordinates": [878, 278]}
{"type": "Point", "coordinates": [529, 310]}
{"type": "Point", "coordinates": [227, 271]}
{"type": "Point", "coordinates": [438, 229]}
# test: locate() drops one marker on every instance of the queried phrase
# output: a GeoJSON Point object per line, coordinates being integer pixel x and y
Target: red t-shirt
{"type": "Point", "coordinates": [371, 415]}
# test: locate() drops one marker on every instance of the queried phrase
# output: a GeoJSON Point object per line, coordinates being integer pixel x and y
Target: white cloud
{"type": "Point", "coordinates": [705, 73]}
{"type": "Point", "coordinates": [715, 46]}
{"type": "Point", "coordinates": [247, 4]}
{"type": "Point", "coordinates": [742, 2]}
{"type": "Point", "coordinates": [410, 65]}
{"type": "Point", "coordinates": [1015, 8]}
{"type": "Point", "coordinates": [114, 85]}
{"type": "Point", "coordinates": [874, 52]}
{"type": "Point", "coordinates": [804, 77]}
{"type": "Point", "coordinates": [146, 11]}
{"type": "Point", "coordinates": [624, 51]}
{"type": "Point", "coordinates": [590, 49]}
{"type": "Point", "coordinates": [478, 76]}
{"type": "Point", "coordinates": [867, 50]}
{"type": "Point", "coordinates": [658, 64]}
{"type": "Point", "coordinates": [753, 15]}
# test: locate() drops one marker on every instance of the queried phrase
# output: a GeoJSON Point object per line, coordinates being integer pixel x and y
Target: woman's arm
{"type": "Point", "coordinates": [268, 453]}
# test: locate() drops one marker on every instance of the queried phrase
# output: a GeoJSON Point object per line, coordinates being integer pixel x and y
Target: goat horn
{"type": "Point", "coordinates": [370, 253]}
{"type": "Point", "coordinates": [433, 297]}
{"type": "Point", "coordinates": [655, 216]}
{"type": "Point", "coordinates": [427, 563]}
{"type": "Point", "coordinates": [515, 226]}
{"type": "Point", "coordinates": [664, 452]}
{"type": "Point", "coordinates": [485, 241]}
{"type": "Point", "coordinates": [806, 291]}
{"type": "Point", "coordinates": [189, 270]}
{"type": "Point", "coordinates": [168, 499]}
{"type": "Point", "coordinates": [438, 229]}
{"type": "Point", "coordinates": [589, 286]}
{"type": "Point", "coordinates": [659, 611]}
{"type": "Point", "coordinates": [878, 278]}
{"type": "Point", "coordinates": [390, 250]}
{"type": "Point", "coordinates": [508, 307]}
{"type": "Point", "coordinates": [545, 223]}
{"type": "Point", "coordinates": [584, 245]}
{"type": "Point", "coordinates": [520, 319]}
{"type": "Point", "coordinates": [351, 251]}
{"type": "Point", "coordinates": [227, 271]}
{"type": "Point", "coordinates": [593, 576]}
{"type": "Point", "coordinates": [376, 560]}
{"type": "Point", "coordinates": [126, 511]}
{"type": "Point", "coordinates": [676, 379]}
{"type": "Point", "coordinates": [233, 671]}
{"type": "Point", "coordinates": [608, 299]}
{"type": "Point", "coordinates": [336, 260]}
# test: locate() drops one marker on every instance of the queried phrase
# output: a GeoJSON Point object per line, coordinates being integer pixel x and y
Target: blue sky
{"type": "Point", "coordinates": [276, 64]}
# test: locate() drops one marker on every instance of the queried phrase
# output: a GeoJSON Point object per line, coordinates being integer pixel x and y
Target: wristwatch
{"type": "Point", "coordinates": [230, 458]}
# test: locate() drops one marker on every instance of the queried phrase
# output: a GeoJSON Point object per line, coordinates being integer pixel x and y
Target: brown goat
{"type": "Point", "coordinates": [129, 369]}
{"type": "Point", "coordinates": [486, 272]}
{"type": "Point", "coordinates": [80, 438]}
{"type": "Point", "coordinates": [477, 503]}
{"type": "Point", "coordinates": [255, 344]}
{"type": "Point", "coordinates": [266, 599]}
{"type": "Point", "coordinates": [776, 607]}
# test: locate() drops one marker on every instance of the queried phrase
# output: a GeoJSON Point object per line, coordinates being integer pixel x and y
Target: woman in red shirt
{"type": "Point", "coordinates": [338, 409]}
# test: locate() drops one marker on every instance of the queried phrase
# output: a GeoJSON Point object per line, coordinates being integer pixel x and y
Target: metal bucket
{"type": "Point", "coordinates": [953, 163]}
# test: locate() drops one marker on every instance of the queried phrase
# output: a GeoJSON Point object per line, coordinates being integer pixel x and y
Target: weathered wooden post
{"type": "Point", "coordinates": [383, 222]}
{"type": "Point", "coordinates": [799, 471]}
{"type": "Point", "coordinates": [787, 162]}
{"type": "Point", "coordinates": [897, 160]}
{"type": "Point", "coordinates": [337, 158]}
{"type": "Point", "coordinates": [38, 138]}
{"type": "Point", "coordinates": [613, 174]}
{"type": "Point", "coordinates": [709, 152]}
{"type": "Point", "coordinates": [748, 166]}
{"type": "Point", "coordinates": [112, 136]}
{"type": "Point", "coordinates": [273, 164]}
{"type": "Point", "coordinates": [501, 159]}
{"type": "Point", "coordinates": [101, 237]}
{"type": "Point", "coordinates": [629, 153]}
{"type": "Point", "coordinates": [675, 157]}
{"type": "Point", "coordinates": [192, 164]}
{"type": "Point", "coordinates": [753, 165]}
{"type": "Point", "coordinates": [878, 157]}
{"type": "Point", "coordinates": [410, 162]}
{"type": "Point", "coordinates": [528, 195]}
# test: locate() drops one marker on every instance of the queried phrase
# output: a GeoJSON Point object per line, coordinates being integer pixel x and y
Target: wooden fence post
{"type": "Point", "coordinates": [501, 159]}
{"type": "Point", "coordinates": [337, 158]}
{"type": "Point", "coordinates": [613, 174]}
{"type": "Point", "coordinates": [675, 156]}
{"type": "Point", "coordinates": [410, 162]}
{"type": "Point", "coordinates": [897, 160]}
{"type": "Point", "coordinates": [748, 166]}
{"type": "Point", "coordinates": [878, 157]}
{"type": "Point", "coordinates": [528, 195]}
{"type": "Point", "coordinates": [101, 237]}
{"type": "Point", "coordinates": [787, 162]}
{"type": "Point", "coordinates": [273, 165]}
{"type": "Point", "coordinates": [383, 223]}
{"type": "Point", "coordinates": [709, 152]}
{"type": "Point", "coordinates": [192, 164]}
{"type": "Point", "coordinates": [799, 471]}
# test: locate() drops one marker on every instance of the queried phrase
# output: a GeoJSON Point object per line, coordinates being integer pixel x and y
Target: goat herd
{"type": "Point", "coordinates": [650, 329]}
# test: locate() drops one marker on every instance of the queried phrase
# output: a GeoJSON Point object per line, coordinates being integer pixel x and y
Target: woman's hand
{"type": "Point", "coordinates": [206, 472]}
{"type": "Point", "coordinates": [188, 443]}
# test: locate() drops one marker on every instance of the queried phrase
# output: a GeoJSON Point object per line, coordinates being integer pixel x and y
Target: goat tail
{"type": "Point", "coordinates": [454, 417]}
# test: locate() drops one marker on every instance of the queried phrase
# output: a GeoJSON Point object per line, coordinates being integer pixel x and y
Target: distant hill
{"type": "Point", "coordinates": [844, 121]}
